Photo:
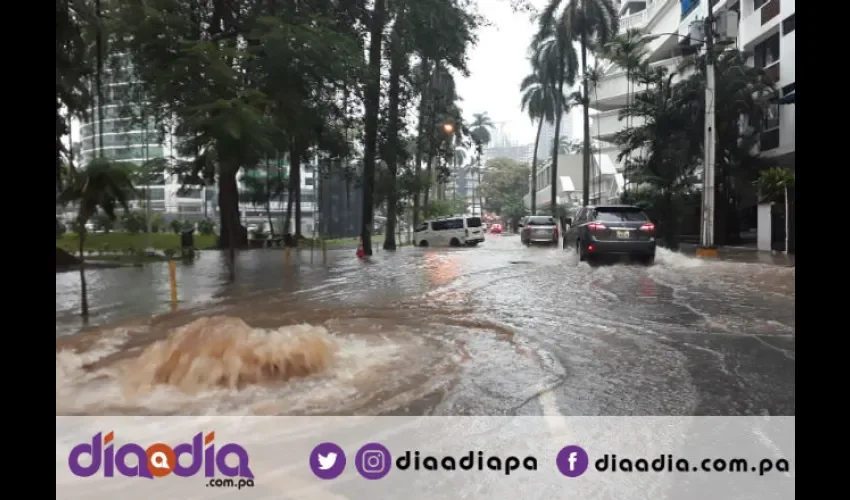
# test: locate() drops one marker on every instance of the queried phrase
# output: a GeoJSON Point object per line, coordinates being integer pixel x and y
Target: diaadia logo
{"type": "Point", "coordinates": [159, 459]}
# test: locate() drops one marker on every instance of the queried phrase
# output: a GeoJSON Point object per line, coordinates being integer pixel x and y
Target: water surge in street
{"type": "Point", "coordinates": [497, 330]}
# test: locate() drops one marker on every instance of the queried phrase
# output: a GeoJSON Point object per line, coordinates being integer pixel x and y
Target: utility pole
{"type": "Point", "coordinates": [707, 247]}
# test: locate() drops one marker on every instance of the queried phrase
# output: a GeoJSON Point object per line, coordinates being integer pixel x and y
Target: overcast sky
{"type": "Point", "coordinates": [497, 66]}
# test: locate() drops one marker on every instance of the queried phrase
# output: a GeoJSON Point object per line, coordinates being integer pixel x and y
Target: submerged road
{"type": "Point", "coordinates": [496, 330]}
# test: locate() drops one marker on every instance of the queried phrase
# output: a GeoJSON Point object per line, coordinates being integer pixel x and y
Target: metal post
{"type": "Point", "coordinates": [146, 173]}
{"type": "Point", "coordinates": [707, 247]}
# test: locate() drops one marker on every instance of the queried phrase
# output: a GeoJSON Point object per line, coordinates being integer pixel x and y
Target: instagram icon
{"type": "Point", "coordinates": [373, 461]}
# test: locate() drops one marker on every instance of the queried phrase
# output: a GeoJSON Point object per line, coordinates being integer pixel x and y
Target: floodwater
{"type": "Point", "coordinates": [496, 330]}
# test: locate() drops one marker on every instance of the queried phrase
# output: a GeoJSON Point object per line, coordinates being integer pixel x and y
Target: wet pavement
{"type": "Point", "coordinates": [496, 330]}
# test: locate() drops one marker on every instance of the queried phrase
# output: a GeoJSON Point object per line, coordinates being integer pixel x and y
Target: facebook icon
{"type": "Point", "coordinates": [572, 461]}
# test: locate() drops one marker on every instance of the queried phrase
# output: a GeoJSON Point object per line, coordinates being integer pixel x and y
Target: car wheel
{"type": "Point", "coordinates": [455, 242]}
{"type": "Point", "coordinates": [423, 243]}
{"type": "Point", "coordinates": [580, 252]}
{"type": "Point", "coordinates": [647, 260]}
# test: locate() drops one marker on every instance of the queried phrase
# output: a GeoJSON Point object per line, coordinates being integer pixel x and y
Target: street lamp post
{"type": "Point", "coordinates": [707, 247]}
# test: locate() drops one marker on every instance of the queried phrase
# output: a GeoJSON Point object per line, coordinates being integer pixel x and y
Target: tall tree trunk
{"type": "Point", "coordinates": [84, 298]}
{"type": "Point", "coordinates": [232, 235]}
{"type": "Point", "coordinates": [432, 145]}
{"type": "Point", "coordinates": [296, 182]}
{"type": "Point", "coordinates": [372, 102]}
{"type": "Point", "coordinates": [420, 138]}
{"type": "Point", "coordinates": [534, 168]}
{"type": "Point", "coordinates": [396, 66]}
{"type": "Point", "coordinates": [290, 194]}
{"type": "Point", "coordinates": [585, 196]}
{"type": "Point", "coordinates": [556, 146]}
{"type": "Point", "coordinates": [269, 197]}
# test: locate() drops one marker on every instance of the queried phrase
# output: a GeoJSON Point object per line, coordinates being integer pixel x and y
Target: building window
{"type": "Point", "coordinates": [771, 118]}
{"type": "Point", "coordinates": [769, 140]}
{"type": "Point", "coordinates": [156, 194]}
{"type": "Point", "coordinates": [688, 6]}
{"type": "Point", "coordinates": [767, 52]}
{"type": "Point", "coordinates": [757, 4]}
{"type": "Point", "coordinates": [308, 181]}
{"type": "Point", "coordinates": [789, 24]}
{"type": "Point", "coordinates": [133, 153]}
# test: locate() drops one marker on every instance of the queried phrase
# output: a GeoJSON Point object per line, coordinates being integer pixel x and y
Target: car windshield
{"type": "Point", "coordinates": [617, 214]}
{"type": "Point", "coordinates": [540, 221]}
{"type": "Point", "coordinates": [473, 222]}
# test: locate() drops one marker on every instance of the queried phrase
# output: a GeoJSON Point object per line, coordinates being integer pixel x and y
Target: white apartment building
{"type": "Point", "coordinates": [766, 29]}
{"type": "Point", "coordinates": [126, 139]}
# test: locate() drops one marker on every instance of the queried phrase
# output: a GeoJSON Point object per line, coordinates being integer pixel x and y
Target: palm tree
{"type": "Point", "coordinates": [590, 23]}
{"type": "Point", "coordinates": [555, 56]}
{"type": "Point", "coordinates": [480, 132]}
{"type": "Point", "coordinates": [740, 91]}
{"type": "Point", "coordinates": [101, 185]}
{"type": "Point", "coordinates": [628, 51]}
{"type": "Point", "coordinates": [539, 100]}
{"type": "Point", "coordinates": [773, 183]}
{"type": "Point", "coordinates": [667, 143]}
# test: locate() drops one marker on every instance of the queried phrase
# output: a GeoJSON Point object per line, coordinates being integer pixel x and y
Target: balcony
{"type": "Point", "coordinates": [637, 20]}
{"type": "Point", "coordinates": [612, 89]}
{"type": "Point", "coordinates": [608, 123]}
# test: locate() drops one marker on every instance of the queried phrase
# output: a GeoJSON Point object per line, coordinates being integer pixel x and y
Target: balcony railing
{"type": "Point", "coordinates": [769, 10]}
{"type": "Point", "coordinates": [636, 20]}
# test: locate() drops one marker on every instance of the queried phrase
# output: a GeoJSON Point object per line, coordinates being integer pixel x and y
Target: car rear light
{"type": "Point", "coordinates": [648, 227]}
{"type": "Point", "coordinates": [556, 233]}
{"type": "Point", "coordinates": [590, 248]}
{"type": "Point", "coordinates": [593, 226]}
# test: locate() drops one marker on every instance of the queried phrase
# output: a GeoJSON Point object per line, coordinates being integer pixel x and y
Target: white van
{"type": "Point", "coordinates": [453, 231]}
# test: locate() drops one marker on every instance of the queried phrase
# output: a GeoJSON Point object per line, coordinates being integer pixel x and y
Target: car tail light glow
{"type": "Point", "coordinates": [593, 226]}
{"type": "Point", "coordinates": [590, 247]}
{"type": "Point", "coordinates": [648, 227]}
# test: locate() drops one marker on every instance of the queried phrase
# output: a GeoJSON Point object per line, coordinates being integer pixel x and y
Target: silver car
{"type": "Point", "coordinates": [539, 229]}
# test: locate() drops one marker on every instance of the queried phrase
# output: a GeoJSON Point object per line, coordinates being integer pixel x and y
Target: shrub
{"type": "Point", "coordinates": [134, 222]}
{"type": "Point", "coordinates": [169, 253]}
{"type": "Point", "coordinates": [176, 225]}
{"type": "Point", "coordinates": [157, 223]}
{"type": "Point", "coordinates": [206, 226]}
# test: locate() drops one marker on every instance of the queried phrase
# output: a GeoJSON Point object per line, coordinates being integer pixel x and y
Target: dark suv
{"type": "Point", "coordinates": [611, 230]}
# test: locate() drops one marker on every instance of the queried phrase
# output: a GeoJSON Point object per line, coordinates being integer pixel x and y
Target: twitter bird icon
{"type": "Point", "coordinates": [327, 461]}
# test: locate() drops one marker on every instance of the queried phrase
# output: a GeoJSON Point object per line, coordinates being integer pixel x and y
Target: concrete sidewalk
{"type": "Point", "coordinates": [745, 254]}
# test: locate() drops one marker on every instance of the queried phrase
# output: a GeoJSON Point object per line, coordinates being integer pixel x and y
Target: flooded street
{"type": "Point", "coordinates": [496, 330]}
